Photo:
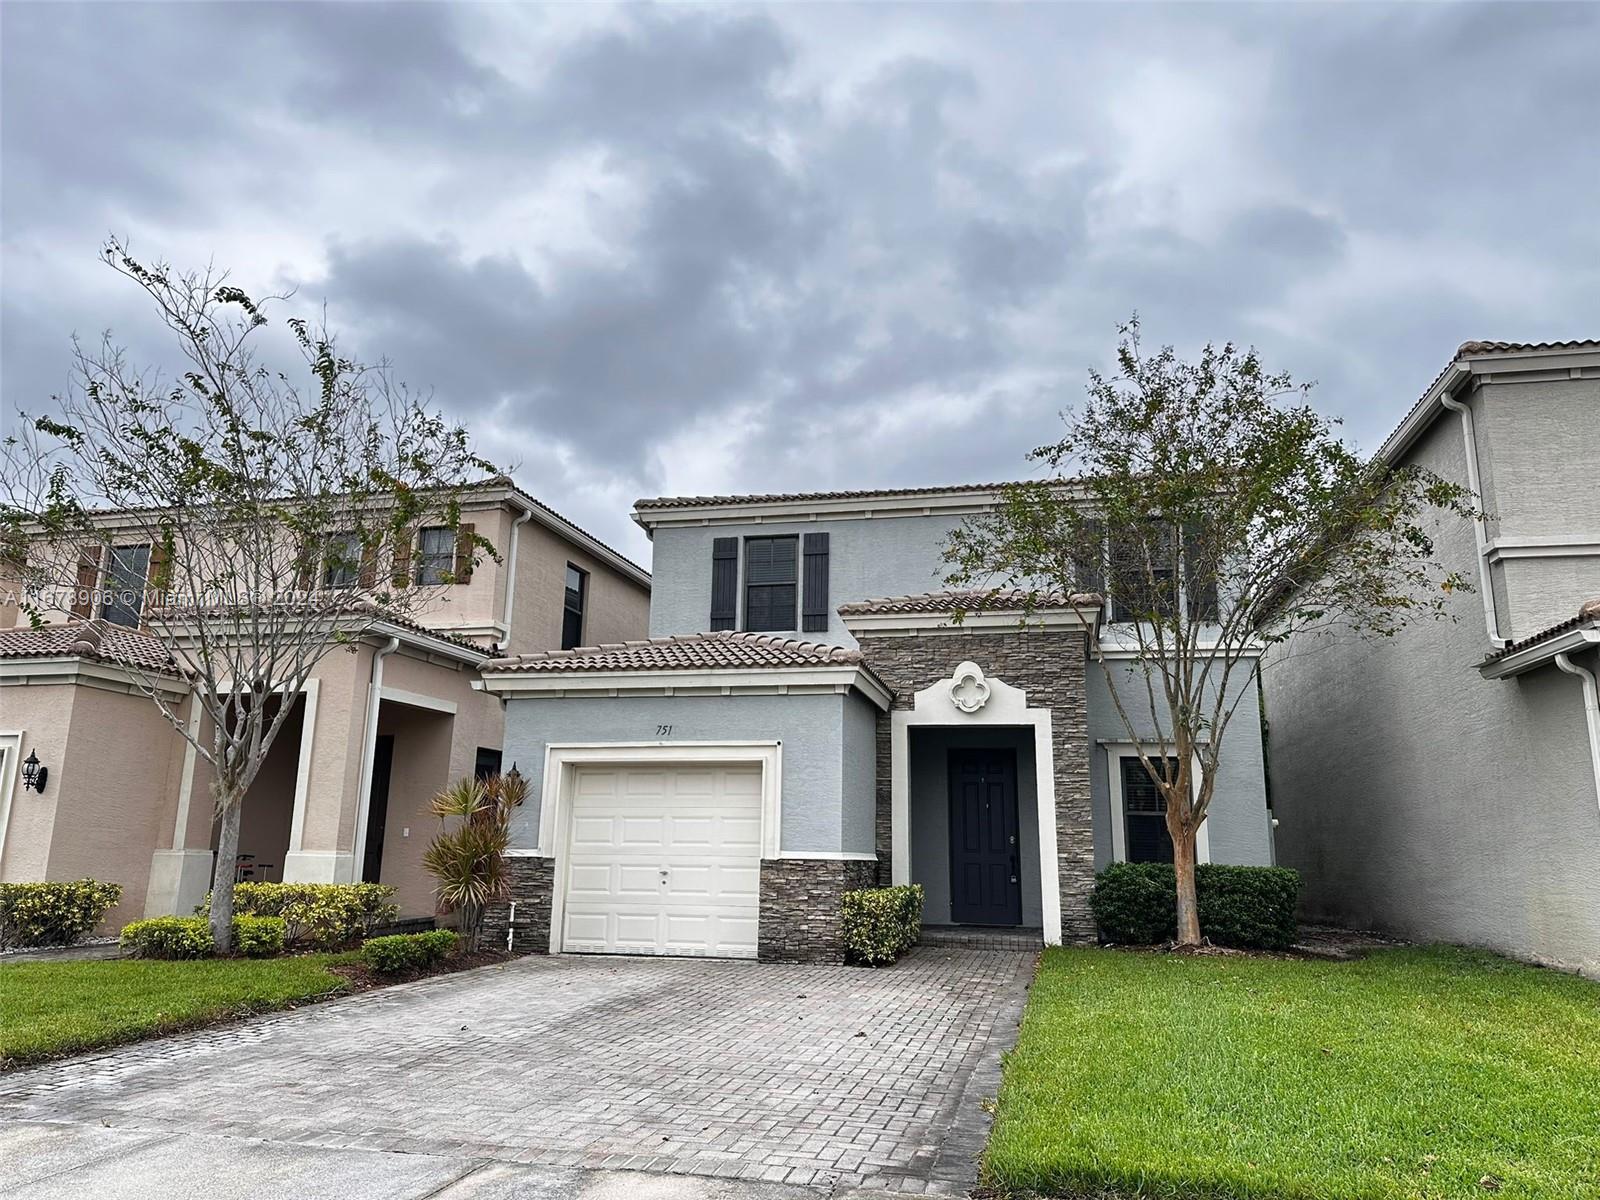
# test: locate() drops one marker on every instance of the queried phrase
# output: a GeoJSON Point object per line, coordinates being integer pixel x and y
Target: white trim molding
{"type": "Point", "coordinates": [1005, 706]}
{"type": "Point", "coordinates": [562, 761]}
{"type": "Point", "coordinates": [1115, 753]}
{"type": "Point", "coordinates": [302, 774]}
{"type": "Point", "coordinates": [557, 685]}
{"type": "Point", "coordinates": [418, 700]}
{"type": "Point", "coordinates": [1541, 547]}
{"type": "Point", "coordinates": [10, 758]}
{"type": "Point", "coordinates": [1573, 641]}
{"type": "Point", "coordinates": [886, 624]}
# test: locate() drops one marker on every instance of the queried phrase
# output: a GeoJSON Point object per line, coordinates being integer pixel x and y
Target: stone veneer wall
{"type": "Point", "coordinates": [532, 888]}
{"type": "Point", "coordinates": [800, 901]}
{"type": "Point", "coordinates": [1049, 666]}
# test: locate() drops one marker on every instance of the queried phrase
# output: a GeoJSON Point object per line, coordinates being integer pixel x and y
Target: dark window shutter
{"type": "Point", "coordinates": [724, 583]}
{"type": "Point", "coordinates": [88, 581]}
{"type": "Point", "coordinates": [816, 584]}
{"type": "Point", "coordinates": [400, 573]}
{"type": "Point", "coordinates": [466, 550]}
{"type": "Point", "coordinates": [1200, 580]}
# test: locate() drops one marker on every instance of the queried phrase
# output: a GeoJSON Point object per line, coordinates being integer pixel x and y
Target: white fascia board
{"type": "Point", "coordinates": [413, 639]}
{"type": "Point", "coordinates": [1422, 416]}
{"type": "Point", "coordinates": [754, 511]}
{"type": "Point", "coordinates": [557, 684]}
{"type": "Point", "coordinates": [1540, 547]}
{"type": "Point", "coordinates": [1530, 657]}
{"type": "Point", "coordinates": [1116, 648]}
{"type": "Point", "coordinates": [1005, 621]}
{"type": "Point", "coordinates": [17, 672]}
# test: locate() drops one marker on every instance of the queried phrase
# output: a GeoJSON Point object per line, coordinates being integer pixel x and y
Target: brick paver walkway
{"type": "Point", "coordinates": [829, 1077]}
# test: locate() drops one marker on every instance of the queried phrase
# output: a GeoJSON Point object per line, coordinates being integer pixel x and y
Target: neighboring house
{"type": "Point", "coordinates": [1443, 784]}
{"type": "Point", "coordinates": [806, 718]}
{"type": "Point", "coordinates": [127, 799]}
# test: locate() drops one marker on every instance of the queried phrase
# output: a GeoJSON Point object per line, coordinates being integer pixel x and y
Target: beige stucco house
{"type": "Point", "coordinates": [377, 730]}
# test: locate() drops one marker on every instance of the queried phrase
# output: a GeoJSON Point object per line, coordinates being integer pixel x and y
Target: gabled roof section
{"type": "Point", "coordinates": [554, 521]}
{"type": "Point", "coordinates": [951, 499]}
{"type": "Point", "coordinates": [97, 641]}
{"type": "Point", "coordinates": [1004, 600]}
{"type": "Point", "coordinates": [720, 651]}
{"type": "Point", "coordinates": [1471, 358]}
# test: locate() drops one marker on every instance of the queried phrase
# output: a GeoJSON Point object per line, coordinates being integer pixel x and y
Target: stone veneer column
{"type": "Point", "coordinates": [800, 902]}
{"type": "Point", "coordinates": [532, 888]}
{"type": "Point", "coordinates": [1049, 666]}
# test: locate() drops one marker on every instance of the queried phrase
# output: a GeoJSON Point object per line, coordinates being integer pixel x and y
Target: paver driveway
{"type": "Point", "coordinates": [828, 1077]}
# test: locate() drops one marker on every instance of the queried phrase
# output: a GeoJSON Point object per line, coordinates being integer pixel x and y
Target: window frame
{"type": "Point", "coordinates": [108, 587]}
{"type": "Point", "coordinates": [347, 538]}
{"type": "Point", "coordinates": [424, 557]}
{"type": "Point", "coordinates": [793, 583]}
{"type": "Point", "coordinates": [1115, 753]}
{"type": "Point", "coordinates": [581, 611]}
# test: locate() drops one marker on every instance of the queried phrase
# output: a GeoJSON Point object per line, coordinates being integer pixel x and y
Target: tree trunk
{"type": "Point", "coordinates": [1183, 856]}
{"type": "Point", "coordinates": [222, 876]}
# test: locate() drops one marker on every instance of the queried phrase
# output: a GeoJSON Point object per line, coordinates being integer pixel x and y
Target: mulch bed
{"type": "Point", "coordinates": [361, 978]}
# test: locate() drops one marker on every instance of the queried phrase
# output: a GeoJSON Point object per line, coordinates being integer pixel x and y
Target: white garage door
{"type": "Point", "coordinates": [664, 860]}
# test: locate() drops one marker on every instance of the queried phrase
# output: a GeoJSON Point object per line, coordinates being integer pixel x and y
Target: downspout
{"type": "Point", "coordinates": [369, 750]}
{"type": "Point", "coordinates": [1485, 584]}
{"type": "Point", "coordinates": [1591, 709]}
{"type": "Point", "coordinates": [511, 579]}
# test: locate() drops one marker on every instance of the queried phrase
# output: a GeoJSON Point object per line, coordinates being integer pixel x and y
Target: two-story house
{"type": "Point", "coordinates": [1443, 783]}
{"type": "Point", "coordinates": [808, 717]}
{"type": "Point", "coordinates": [378, 729]}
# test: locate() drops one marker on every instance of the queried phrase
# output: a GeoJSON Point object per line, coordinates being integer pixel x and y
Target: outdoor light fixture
{"type": "Point", "coordinates": [33, 775]}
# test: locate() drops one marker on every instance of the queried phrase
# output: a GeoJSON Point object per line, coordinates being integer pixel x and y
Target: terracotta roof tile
{"type": "Point", "coordinates": [1003, 600]}
{"type": "Point", "coordinates": [786, 497]}
{"type": "Point", "coordinates": [100, 641]}
{"type": "Point", "coordinates": [1588, 614]}
{"type": "Point", "coordinates": [723, 650]}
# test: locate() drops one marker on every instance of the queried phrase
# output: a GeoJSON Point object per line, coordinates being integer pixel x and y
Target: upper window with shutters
{"type": "Point", "coordinates": [776, 584]}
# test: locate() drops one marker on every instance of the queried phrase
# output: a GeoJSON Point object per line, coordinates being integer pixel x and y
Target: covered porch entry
{"type": "Point", "coordinates": [973, 806]}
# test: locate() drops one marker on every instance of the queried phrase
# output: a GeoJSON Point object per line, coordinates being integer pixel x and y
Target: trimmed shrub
{"type": "Point", "coordinates": [320, 915]}
{"type": "Point", "coordinates": [190, 937]}
{"type": "Point", "coordinates": [53, 914]}
{"type": "Point", "coordinates": [407, 951]}
{"type": "Point", "coordinates": [1252, 908]}
{"type": "Point", "coordinates": [258, 937]}
{"type": "Point", "coordinates": [168, 937]}
{"type": "Point", "coordinates": [880, 924]}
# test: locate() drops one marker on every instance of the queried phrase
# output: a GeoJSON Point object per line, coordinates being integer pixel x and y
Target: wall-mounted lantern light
{"type": "Point", "coordinates": [33, 775]}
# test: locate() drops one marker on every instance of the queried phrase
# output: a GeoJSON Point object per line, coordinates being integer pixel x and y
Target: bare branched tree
{"type": "Point", "coordinates": [1216, 512]}
{"type": "Point", "coordinates": [251, 520]}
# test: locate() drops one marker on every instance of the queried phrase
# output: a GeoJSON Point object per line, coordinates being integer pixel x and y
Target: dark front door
{"type": "Point", "coordinates": [985, 868]}
{"type": "Point", "coordinates": [378, 807]}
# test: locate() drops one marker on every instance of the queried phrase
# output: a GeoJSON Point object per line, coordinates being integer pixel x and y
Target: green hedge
{"type": "Point", "coordinates": [1248, 907]}
{"type": "Point", "coordinates": [320, 915]}
{"type": "Point", "coordinates": [881, 924]}
{"type": "Point", "coordinates": [190, 937]}
{"type": "Point", "coordinates": [407, 951]}
{"type": "Point", "coordinates": [53, 914]}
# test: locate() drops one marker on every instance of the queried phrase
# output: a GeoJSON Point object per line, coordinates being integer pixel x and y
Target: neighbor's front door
{"type": "Point", "coordinates": [985, 867]}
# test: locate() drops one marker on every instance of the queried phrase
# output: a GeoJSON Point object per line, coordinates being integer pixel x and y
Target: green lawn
{"type": "Point", "coordinates": [1422, 1074]}
{"type": "Point", "coordinates": [49, 1008]}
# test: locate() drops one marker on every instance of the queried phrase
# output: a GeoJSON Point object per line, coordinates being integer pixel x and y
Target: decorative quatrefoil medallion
{"type": "Point", "coordinates": [969, 690]}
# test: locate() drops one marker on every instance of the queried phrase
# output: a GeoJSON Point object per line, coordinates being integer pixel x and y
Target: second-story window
{"type": "Point", "coordinates": [126, 573]}
{"type": "Point", "coordinates": [572, 603]}
{"type": "Point", "coordinates": [436, 554]}
{"type": "Point", "coordinates": [770, 575]}
{"type": "Point", "coordinates": [342, 567]}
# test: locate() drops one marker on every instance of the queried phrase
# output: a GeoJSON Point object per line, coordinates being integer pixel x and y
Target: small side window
{"type": "Point", "coordinates": [126, 574]}
{"type": "Point", "coordinates": [341, 568]}
{"type": "Point", "coordinates": [572, 605]}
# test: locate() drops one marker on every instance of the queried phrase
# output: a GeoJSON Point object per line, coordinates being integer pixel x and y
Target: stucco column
{"type": "Point", "coordinates": [323, 826]}
{"type": "Point", "coordinates": [181, 866]}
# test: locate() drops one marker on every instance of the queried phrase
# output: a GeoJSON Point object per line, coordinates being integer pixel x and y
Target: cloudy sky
{"type": "Point", "coordinates": [677, 249]}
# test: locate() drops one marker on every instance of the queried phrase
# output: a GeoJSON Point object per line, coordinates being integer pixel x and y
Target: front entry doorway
{"type": "Point", "coordinates": [378, 807]}
{"type": "Point", "coordinates": [985, 859]}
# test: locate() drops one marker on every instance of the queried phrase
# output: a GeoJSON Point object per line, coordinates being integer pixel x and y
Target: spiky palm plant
{"type": "Point", "coordinates": [467, 858]}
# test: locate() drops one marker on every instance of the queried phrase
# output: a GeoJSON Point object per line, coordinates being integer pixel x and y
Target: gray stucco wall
{"type": "Point", "coordinates": [828, 752]}
{"type": "Point", "coordinates": [1238, 825]}
{"type": "Point", "coordinates": [1539, 460]}
{"type": "Point", "coordinates": [1418, 797]}
{"type": "Point", "coordinates": [884, 556]}
{"type": "Point", "coordinates": [930, 748]}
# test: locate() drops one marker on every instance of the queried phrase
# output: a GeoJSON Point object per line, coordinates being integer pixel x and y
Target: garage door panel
{"type": "Point", "coordinates": [664, 861]}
